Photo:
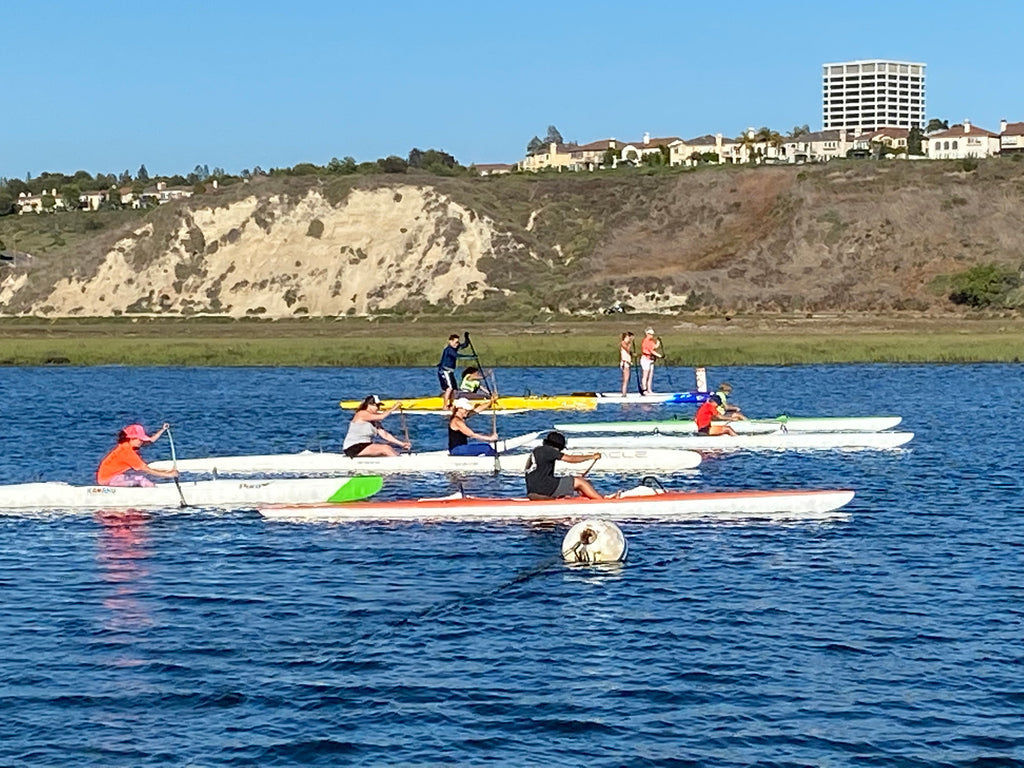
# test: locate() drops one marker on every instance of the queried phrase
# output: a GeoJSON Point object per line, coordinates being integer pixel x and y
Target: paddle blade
{"type": "Point", "coordinates": [356, 488]}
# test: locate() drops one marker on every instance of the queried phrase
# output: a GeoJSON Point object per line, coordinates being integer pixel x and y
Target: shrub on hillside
{"type": "Point", "coordinates": [985, 285]}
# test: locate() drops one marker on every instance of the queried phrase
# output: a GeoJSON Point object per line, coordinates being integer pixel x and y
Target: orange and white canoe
{"type": "Point", "coordinates": [640, 503]}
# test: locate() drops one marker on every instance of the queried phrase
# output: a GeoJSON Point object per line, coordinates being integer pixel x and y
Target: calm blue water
{"type": "Point", "coordinates": [207, 639]}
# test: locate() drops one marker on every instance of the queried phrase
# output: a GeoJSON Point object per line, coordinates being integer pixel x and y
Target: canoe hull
{"type": "Point", "coordinates": [614, 459]}
{"type": "Point", "coordinates": [747, 427]}
{"type": "Point", "coordinates": [727, 505]}
{"type": "Point", "coordinates": [504, 403]}
{"type": "Point", "coordinates": [775, 441]}
{"type": "Point", "coordinates": [222, 494]}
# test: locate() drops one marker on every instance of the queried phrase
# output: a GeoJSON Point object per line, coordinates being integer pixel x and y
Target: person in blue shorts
{"type": "Point", "coordinates": [459, 432]}
{"type": "Point", "coordinates": [449, 362]}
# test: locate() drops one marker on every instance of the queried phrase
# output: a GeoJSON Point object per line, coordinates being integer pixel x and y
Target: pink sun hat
{"type": "Point", "coordinates": [136, 432]}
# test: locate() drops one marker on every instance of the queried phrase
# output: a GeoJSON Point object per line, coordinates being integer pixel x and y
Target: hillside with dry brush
{"type": "Point", "coordinates": [847, 236]}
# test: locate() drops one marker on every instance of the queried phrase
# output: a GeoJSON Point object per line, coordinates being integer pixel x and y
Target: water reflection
{"type": "Point", "coordinates": [124, 552]}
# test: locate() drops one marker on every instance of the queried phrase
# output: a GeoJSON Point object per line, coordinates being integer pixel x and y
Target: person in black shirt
{"type": "Point", "coordinates": [540, 470]}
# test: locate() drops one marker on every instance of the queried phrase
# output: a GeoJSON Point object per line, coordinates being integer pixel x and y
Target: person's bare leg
{"type": "Point", "coordinates": [582, 485]}
{"type": "Point", "coordinates": [378, 449]}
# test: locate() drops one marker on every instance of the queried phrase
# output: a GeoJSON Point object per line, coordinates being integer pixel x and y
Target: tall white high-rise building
{"type": "Point", "coordinates": [871, 94]}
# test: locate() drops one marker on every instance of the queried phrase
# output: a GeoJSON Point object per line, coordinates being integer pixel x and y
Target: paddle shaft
{"type": "Point", "coordinates": [405, 428]}
{"type": "Point", "coordinates": [174, 464]}
{"type": "Point", "coordinates": [491, 385]}
{"type": "Point", "coordinates": [636, 366]}
{"type": "Point", "coordinates": [664, 363]}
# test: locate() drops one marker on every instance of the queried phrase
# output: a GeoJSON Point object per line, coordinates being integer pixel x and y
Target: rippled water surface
{"type": "Point", "coordinates": [203, 638]}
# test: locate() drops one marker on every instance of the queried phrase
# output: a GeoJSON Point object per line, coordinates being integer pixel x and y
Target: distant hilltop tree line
{"type": "Point", "coordinates": [71, 187]}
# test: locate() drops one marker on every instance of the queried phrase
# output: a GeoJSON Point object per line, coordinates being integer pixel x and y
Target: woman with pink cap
{"type": "Point", "coordinates": [124, 467]}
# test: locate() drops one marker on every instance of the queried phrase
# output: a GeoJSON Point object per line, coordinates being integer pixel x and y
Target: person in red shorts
{"type": "Point", "coordinates": [708, 410]}
{"type": "Point", "coordinates": [123, 467]}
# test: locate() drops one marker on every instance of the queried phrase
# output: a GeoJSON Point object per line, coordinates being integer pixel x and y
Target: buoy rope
{"type": "Point", "coordinates": [439, 609]}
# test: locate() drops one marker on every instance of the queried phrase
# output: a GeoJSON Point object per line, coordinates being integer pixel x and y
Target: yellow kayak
{"type": "Point", "coordinates": [504, 403]}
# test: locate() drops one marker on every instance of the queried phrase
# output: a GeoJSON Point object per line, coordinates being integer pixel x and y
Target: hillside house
{"type": "Point", "coordinates": [493, 169]}
{"type": "Point", "coordinates": [888, 137]}
{"type": "Point", "coordinates": [696, 150]}
{"type": "Point", "coordinates": [962, 140]}
{"type": "Point", "coordinates": [817, 146]}
{"type": "Point", "coordinates": [1011, 137]}
{"type": "Point", "coordinates": [551, 155]}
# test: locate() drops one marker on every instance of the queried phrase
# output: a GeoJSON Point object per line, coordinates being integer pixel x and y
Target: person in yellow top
{"type": "Point", "coordinates": [725, 410]}
{"type": "Point", "coordinates": [123, 467]}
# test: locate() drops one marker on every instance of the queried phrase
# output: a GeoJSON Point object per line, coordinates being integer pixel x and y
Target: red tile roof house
{"type": "Point", "coordinates": [962, 140]}
{"type": "Point", "coordinates": [587, 157]}
{"type": "Point", "coordinates": [636, 150]}
{"type": "Point", "coordinates": [890, 137]}
{"type": "Point", "coordinates": [689, 151]}
{"type": "Point", "coordinates": [1011, 137]}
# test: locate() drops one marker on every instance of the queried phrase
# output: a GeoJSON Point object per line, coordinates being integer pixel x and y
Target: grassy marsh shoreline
{"type": "Point", "coordinates": [688, 341]}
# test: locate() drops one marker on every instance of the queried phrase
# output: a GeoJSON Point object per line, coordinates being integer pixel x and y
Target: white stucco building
{"type": "Point", "coordinates": [874, 93]}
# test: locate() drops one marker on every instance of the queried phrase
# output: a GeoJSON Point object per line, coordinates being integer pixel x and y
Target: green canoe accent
{"type": "Point", "coordinates": [356, 488]}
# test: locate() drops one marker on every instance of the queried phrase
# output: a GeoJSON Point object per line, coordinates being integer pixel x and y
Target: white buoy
{"type": "Point", "coordinates": [594, 541]}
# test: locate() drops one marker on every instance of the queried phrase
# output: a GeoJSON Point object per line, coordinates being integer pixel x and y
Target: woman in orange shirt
{"type": "Point", "coordinates": [124, 467]}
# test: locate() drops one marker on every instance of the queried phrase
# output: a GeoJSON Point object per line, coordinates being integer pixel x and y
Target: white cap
{"type": "Point", "coordinates": [650, 331]}
{"type": "Point", "coordinates": [464, 402]}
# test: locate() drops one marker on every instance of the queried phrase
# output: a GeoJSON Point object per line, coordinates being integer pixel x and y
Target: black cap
{"type": "Point", "coordinates": [555, 440]}
{"type": "Point", "coordinates": [715, 399]}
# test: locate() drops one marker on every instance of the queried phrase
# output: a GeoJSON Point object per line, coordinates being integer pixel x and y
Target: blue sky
{"type": "Point", "coordinates": [108, 86]}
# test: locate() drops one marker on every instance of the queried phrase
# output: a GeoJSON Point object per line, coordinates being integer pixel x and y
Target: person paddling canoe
{"type": "Point", "coordinates": [365, 427]}
{"type": "Point", "coordinates": [459, 432]}
{"type": "Point", "coordinates": [727, 410]}
{"type": "Point", "coordinates": [540, 471]}
{"type": "Point", "coordinates": [123, 467]}
{"type": "Point", "coordinates": [709, 410]}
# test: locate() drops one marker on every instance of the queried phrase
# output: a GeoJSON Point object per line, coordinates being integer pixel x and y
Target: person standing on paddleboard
{"type": "Point", "coordinates": [123, 467]}
{"type": "Point", "coordinates": [626, 359]}
{"type": "Point", "coordinates": [365, 427]}
{"type": "Point", "coordinates": [648, 353]}
{"type": "Point", "coordinates": [459, 432]}
{"type": "Point", "coordinates": [447, 365]}
{"type": "Point", "coordinates": [540, 471]}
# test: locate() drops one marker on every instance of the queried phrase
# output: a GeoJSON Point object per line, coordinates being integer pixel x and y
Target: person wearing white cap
{"type": "Point", "coordinates": [649, 351]}
{"type": "Point", "coordinates": [365, 426]}
{"type": "Point", "coordinates": [123, 467]}
{"type": "Point", "coordinates": [459, 432]}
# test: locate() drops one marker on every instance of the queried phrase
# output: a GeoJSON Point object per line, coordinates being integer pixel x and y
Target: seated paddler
{"type": "Point", "coordinates": [124, 467]}
{"type": "Point", "coordinates": [541, 481]}
{"type": "Point", "coordinates": [460, 433]}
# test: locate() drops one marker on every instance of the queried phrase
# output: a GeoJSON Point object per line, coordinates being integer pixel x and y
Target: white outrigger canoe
{"type": "Point", "coordinates": [746, 427]}
{"type": "Point", "coordinates": [641, 503]}
{"type": "Point", "coordinates": [221, 494]}
{"type": "Point", "coordinates": [802, 441]}
{"type": "Point", "coordinates": [614, 459]}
